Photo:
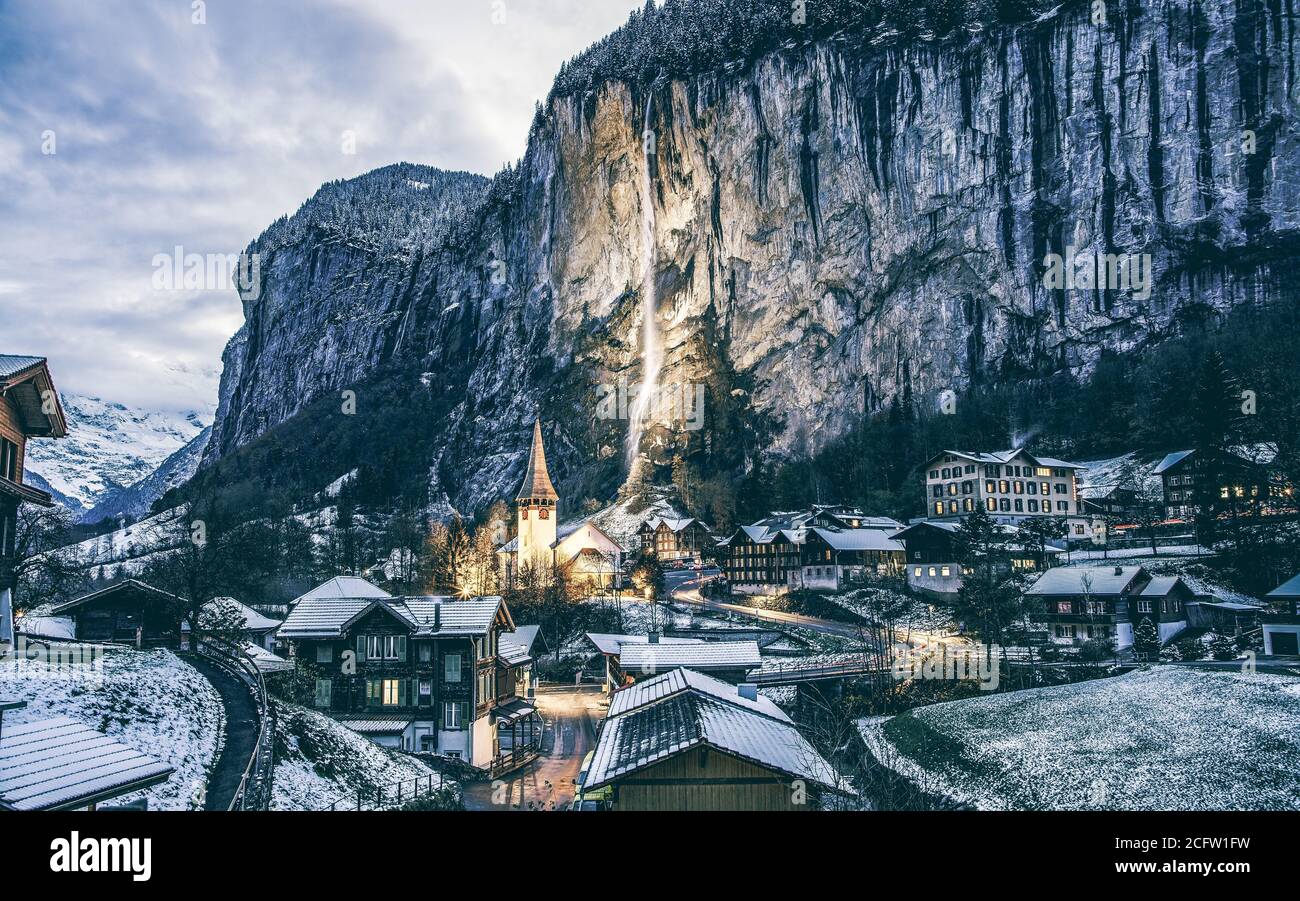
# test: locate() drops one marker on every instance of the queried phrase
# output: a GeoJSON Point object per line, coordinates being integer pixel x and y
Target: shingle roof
{"type": "Point", "coordinates": [647, 735]}
{"type": "Point", "coordinates": [655, 658]}
{"type": "Point", "coordinates": [1070, 580]}
{"type": "Point", "coordinates": [59, 764]}
{"type": "Point", "coordinates": [378, 726]}
{"type": "Point", "coordinates": [329, 617]}
{"type": "Point", "coordinates": [11, 364]}
{"type": "Point", "coordinates": [537, 480]}
{"type": "Point", "coordinates": [652, 691]}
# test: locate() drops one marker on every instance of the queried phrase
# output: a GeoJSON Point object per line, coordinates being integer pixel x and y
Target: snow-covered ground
{"type": "Point", "coordinates": [319, 762]}
{"type": "Point", "coordinates": [150, 701]}
{"type": "Point", "coordinates": [109, 446]}
{"type": "Point", "coordinates": [1166, 738]}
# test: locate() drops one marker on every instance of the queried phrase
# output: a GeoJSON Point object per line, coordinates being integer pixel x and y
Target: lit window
{"type": "Point", "coordinates": [391, 693]}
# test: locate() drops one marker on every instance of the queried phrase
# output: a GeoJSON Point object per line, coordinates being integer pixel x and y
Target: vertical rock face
{"type": "Point", "coordinates": [837, 224]}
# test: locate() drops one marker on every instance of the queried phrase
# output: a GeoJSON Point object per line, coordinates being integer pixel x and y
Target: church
{"type": "Point", "coordinates": [580, 553]}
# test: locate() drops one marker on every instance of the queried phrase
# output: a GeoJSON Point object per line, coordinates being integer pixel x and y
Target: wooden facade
{"type": "Point", "coordinates": [29, 408]}
{"type": "Point", "coordinates": [706, 779]}
{"type": "Point", "coordinates": [130, 613]}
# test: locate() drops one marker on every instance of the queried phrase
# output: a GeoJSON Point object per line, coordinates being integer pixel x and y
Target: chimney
{"type": "Point", "coordinates": [748, 691]}
{"type": "Point", "coordinates": [437, 617]}
{"type": "Point", "coordinates": [654, 637]}
{"type": "Point", "coordinates": [1119, 570]}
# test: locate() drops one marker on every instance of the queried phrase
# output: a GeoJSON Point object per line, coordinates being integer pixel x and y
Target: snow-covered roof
{"type": "Point", "coordinates": [131, 584]}
{"type": "Point", "coordinates": [1159, 587]}
{"type": "Point", "coordinates": [330, 617]}
{"type": "Point", "coordinates": [674, 525]}
{"type": "Point", "coordinates": [12, 365]}
{"type": "Point", "coordinates": [59, 764]}
{"type": "Point", "coordinates": [1172, 460]}
{"type": "Point", "coordinates": [653, 658]}
{"type": "Point", "coordinates": [611, 643]}
{"type": "Point", "coordinates": [517, 646]}
{"type": "Point", "coordinates": [345, 587]}
{"type": "Point", "coordinates": [1288, 589]}
{"type": "Point", "coordinates": [858, 539]}
{"type": "Point", "coordinates": [1071, 580]}
{"type": "Point", "coordinates": [253, 621]}
{"type": "Point", "coordinates": [644, 736]}
{"type": "Point", "coordinates": [1002, 457]}
{"type": "Point", "coordinates": [47, 626]}
{"type": "Point", "coordinates": [652, 691]}
{"type": "Point", "coordinates": [378, 726]}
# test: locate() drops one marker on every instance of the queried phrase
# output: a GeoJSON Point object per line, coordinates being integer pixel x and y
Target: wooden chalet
{"type": "Point", "coordinates": [671, 540]}
{"type": "Point", "coordinates": [130, 613]}
{"type": "Point", "coordinates": [684, 741]}
{"type": "Point", "coordinates": [424, 674]}
{"type": "Point", "coordinates": [29, 408]}
{"type": "Point", "coordinates": [1079, 603]}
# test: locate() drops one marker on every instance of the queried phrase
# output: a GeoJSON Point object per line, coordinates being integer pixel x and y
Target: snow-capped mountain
{"type": "Point", "coordinates": [111, 447]}
{"type": "Point", "coordinates": [136, 501]}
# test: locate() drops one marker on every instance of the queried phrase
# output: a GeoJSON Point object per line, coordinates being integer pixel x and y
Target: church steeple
{"type": "Point", "coordinates": [537, 480]}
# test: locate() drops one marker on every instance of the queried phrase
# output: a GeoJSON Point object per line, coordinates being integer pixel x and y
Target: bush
{"type": "Point", "coordinates": [1223, 648]}
{"type": "Point", "coordinates": [1095, 650]}
{"type": "Point", "coordinates": [440, 800]}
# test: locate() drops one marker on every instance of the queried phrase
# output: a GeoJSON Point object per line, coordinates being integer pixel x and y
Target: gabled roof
{"type": "Point", "coordinates": [1003, 457]}
{"type": "Point", "coordinates": [612, 643]}
{"type": "Point", "coordinates": [526, 636]}
{"type": "Point", "coordinates": [1160, 587]}
{"type": "Point", "coordinates": [673, 525]}
{"type": "Point", "coordinates": [1288, 589]}
{"type": "Point", "coordinates": [706, 655]}
{"type": "Point", "coordinates": [128, 584]}
{"type": "Point", "coordinates": [424, 616]}
{"type": "Point", "coordinates": [28, 381]}
{"type": "Point", "coordinates": [1069, 580]}
{"type": "Point", "coordinates": [345, 587]}
{"type": "Point", "coordinates": [59, 764]}
{"type": "Point", "coordinates": [1172, 460]}
{"type": "Point", "coordinates": [537, 480]}
{"type": "Point", "coordinates": [858, 539]}
{"type": "Point", "coordinates": [690, 719]}
{"type": "Point", "coordinates": [652, 691]}
{"type": "Point", "coordinates": [253, 621]}
{"type": "Point", "coordinates": [950, 527]}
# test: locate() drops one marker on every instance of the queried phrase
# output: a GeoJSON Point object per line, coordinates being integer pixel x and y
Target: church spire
{"type": "Point", "coordinates": [537, 481]}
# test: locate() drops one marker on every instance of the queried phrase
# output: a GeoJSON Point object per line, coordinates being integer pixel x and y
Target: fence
{"type": "Point", "coordinates": [254, 792]}
{"type": "Point", "coordinates": [392, 795]}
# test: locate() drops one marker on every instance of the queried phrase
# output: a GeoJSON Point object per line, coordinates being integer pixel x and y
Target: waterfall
{"type": "Point", "coordinates": [652, 353]}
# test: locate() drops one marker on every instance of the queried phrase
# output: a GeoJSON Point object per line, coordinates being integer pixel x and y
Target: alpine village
{"type": "Point", "coordinates": [731, 451]}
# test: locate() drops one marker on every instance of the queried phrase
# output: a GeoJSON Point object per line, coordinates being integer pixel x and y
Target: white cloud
{"type": "Point", "coordinates": [172, 134]}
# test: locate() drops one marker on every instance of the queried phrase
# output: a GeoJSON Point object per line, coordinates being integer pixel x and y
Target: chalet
{"type": "Point", "coordinates": [258, 629]}
{"type": "Point", "coordinates": [130, 613]}
{"type": "Point", "coordinates": [1239, 480]}
{"type": "Point", "coordinates": [932, 555]}
{"type": "Point", "coordinates": [29, 408]}
{"type": "Point", "coordinates": [1108, 602]}
{"type": "Point", "coordinates": [1282, 624]}
{"type": "Point", "coordinates": [59, 764]}
{"type": "Point", "coordinates": [684, 741]}
{"type": "Point", "coordinates": [675, 540]}
{"type": "Point", "coordinates": [1010, 486]}
{"type": "Point", "coordinates": [834, 559]}
{"type": "Point", "coordinates": [849, 518]}
{"type": "Point", "coordinates": [425, 674]}
{"type": "Point", "coordinates": [760, 559]}
{"type": "Point", "coordinates": [580, 553]}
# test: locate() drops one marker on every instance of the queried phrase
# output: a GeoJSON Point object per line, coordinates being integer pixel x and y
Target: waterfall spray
{"type": "Point", "coordinates": [652, 353]}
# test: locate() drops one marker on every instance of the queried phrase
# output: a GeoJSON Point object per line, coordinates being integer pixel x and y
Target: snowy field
{"type": "Point", "coordinates": [151, 701]}
{"type": "Point", "coordinates": [319, 762]}
{"type": "Point", "coordinates": [1168, 738]}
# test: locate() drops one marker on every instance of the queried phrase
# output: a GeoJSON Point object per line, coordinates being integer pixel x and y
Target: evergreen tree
{"type": "Point", "coordinates": [1146, 640]}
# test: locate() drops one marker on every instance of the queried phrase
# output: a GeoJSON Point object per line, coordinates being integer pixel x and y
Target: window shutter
{"type": "Point", "coordinates": [361, 649]}
{"type": "Point", "coordinates": [401, 648]}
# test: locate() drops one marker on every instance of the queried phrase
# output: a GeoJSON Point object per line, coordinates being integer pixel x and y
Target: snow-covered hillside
{"type": "Point", "coordinates": [109, 447]}
{"type": "Point", "coordinates": [135, 501]}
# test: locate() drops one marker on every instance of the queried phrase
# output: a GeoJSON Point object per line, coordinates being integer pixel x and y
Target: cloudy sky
{"type": "Point", "coordinates": [128, 128]}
